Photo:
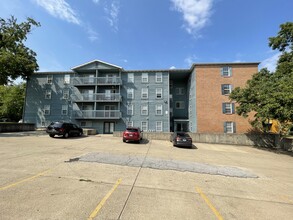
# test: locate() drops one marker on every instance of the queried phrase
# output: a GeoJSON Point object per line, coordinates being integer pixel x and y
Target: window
{"type": "Point", "coordinates": [159, 93]}
{"type": "Point", "coordinates": [65, 94]}
{"type": "Point", "coordinates": [144, 78]}
{"type": "Point", "coordinates": [67, 79]}
{"type": "Point", "coordinates": [130, 78]}
{"type": "Point", "coordinates": [48, 94]}
{"type": "Point", "coordinates": [229, 127]}
{"type": "Point", "coordinates": [159, 110]}
{"type": "Point", "coordinates": [226, 89]}
{"type": "Point", "coordinates": [130, 93]}
{"type": "Point", "coordinates": [144, 125]}
{"type": "Point", "coordinates": [144, 93]}
{"type": "Point", "coordinates": [47, 109]}
{"type": "Point", "coordinates": [64, 110]}
{"type": "Point", "coordinates": [130, 110]}
{"type": "Point", "coordinates": [159, 126]}
{"type": "Point", "coordinates": [179, 105]}
{"type": "Point", "coordinates": [228, 108]}
{"type": "Point", "coordinates": [129, 124]}
{"type": "Point", "coordinates": [144, 110]}
{"type": "Point", "coordinates": [226, 71]}
{"type": "Point", "coordinates": [159, 78]}
{"type": "Point", "coordinates": [180, 91]}
{"type": "Point", "coordinates": [50, 79]}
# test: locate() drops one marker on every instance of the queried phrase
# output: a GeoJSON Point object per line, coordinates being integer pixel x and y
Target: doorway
{"type": "Point", "coordinates": [109, 127]}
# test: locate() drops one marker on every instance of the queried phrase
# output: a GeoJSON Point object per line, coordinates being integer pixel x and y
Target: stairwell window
{"type": "Point", "coordinates": [226, 89]}
{"type": "Point", "coordinates": [228, 108]}
{"type": "Point", "coordinates": [144, 110]}
{"type": "Point", "coordinates": [159, 109]}
{"type": "Point", "coordinates": [129, 124]}
{"type": "Point", "coordinates": [159, 93]}
{"type": "Point", "coordinates": [130, 78]}
{"type": "Point", "coordinates": [159, 126]}
{"type": "Point", "coordinates": [229, 127]}
{"type": "Point", "coordinates": [144, 125]}
{"type": "Point", "coordinates": [67, 79]}
{"type": "Point", "coordinates": [65, 94]}
{"type": "Point", "coordinates": [130, 109]}
{"type": "Point", "coordinates": [226, 71]}
{"type": "Point", "coordinates": [130, 93]}
{"type": "Point", "coordinates": [49, 79]}
{"type": "Point", "coordinates": [144, 93]}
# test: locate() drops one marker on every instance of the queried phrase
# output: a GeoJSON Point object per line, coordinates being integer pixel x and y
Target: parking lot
{"type": "Point", "coordinates": [100, 177]}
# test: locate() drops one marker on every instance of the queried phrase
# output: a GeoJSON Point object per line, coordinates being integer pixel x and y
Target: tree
{"type": "Point", "coordinates": [12, 101]}
{"type": "Point", "coordinates": [269, 95]}
{"type": "Point", "coordinates": [16, 60]}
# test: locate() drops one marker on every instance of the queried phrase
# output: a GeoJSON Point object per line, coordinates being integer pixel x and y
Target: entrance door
{"type": "Point", "coordinates": [109, 127]}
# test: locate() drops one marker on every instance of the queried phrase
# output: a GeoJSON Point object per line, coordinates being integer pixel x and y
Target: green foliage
{"type": "Point", "coordinates": [12, 101]}
{"type": "Point", "coordinates": [16, 60]}
{"type": "Point", "coordinates": [270, 95]}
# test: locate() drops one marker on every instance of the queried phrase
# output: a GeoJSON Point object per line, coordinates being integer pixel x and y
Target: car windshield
{"type": "Point", "coordinates": [132, 129]}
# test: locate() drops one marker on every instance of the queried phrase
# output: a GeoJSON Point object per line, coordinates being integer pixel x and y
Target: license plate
{"type": "Point", "coordinates": [130, 135]}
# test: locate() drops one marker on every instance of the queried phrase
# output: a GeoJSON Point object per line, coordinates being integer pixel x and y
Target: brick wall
{"type": "Point", "coordinates": [209, 98]}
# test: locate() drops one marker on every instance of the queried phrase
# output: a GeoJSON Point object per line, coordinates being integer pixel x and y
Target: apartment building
{"type": "Point", "coordinates": [108, 98]}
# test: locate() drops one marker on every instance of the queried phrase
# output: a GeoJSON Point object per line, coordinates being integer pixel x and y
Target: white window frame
{"type": "Point", "coordinates": [130, 93]}
{"type": "Point", "coordinates": [130, 109]}
{"type": "Point", "coordinates": [129, 124]}
{"type": "Point", "coordinates": [228, 108]}
{"type": "Point", "coordinates": [49, 79]}
{"type": "Point", "coordinates": [159, 77]}
{"type": "Point", "coordinates": [226, 89]}
{"type": "Point", "coordinates": [144, 125]}
{"type": "Point", "coordinates": [159, 93]}
{"type": "Point", "coordinates": [159, 126]}
{"type": "Point", "coordinates": [64, 110]}
{"type": "Point", "coordinates": [144, 77]}
{"type": "Point", "coordinates": [144, 93]}
{"type": "Point", "coordinates": [229, 127]}
{"type": "Point", "coordinates": [144, 110]}
{"type": "Point", "coordinates": [47, 109]}
{"type": "Point", "coordinates": [181, 105]}
{"type": "Point", "coordinates": [159, 109]}
{"type": "Point", "coordinates": [226, 71]}
{"type": "Point", "coordinates": [48, 94]}
{"type": "Point", "coordinates": [67, 79]}
{"type": "Point", "coordinates": [180, 91]}
{"type": "Point", "coordinates": [66, 94]}
{"type": "Point", "coordinates": [130, 77]}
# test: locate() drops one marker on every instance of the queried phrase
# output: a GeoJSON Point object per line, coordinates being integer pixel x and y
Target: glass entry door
{"type": "Point", "coordinates": [109, 127]}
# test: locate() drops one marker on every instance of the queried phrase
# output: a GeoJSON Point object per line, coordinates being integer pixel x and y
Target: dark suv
{"type": "Point", "coordinates": [64, 129]}
{"type": "Point", "coordinates": [132, 134]}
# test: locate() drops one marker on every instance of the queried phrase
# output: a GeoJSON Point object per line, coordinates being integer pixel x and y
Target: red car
{"type": "Point", "coordinates": [132, 134]}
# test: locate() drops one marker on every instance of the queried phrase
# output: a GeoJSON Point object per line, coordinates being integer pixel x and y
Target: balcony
{"type": "Point", "coordinates": [86, 81]}
{"type": "Point", "coordinates": [98, 97]}
{"type": "Point", "coordinates": [97, 114]}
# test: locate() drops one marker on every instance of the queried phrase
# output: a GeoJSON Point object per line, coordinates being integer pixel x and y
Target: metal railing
{"type": "Point", "coordinates": [99, 97]}
{"type": "Point", "coordinates": [96, 81]}
{"type": "Point", "coordinates": [97, 114]}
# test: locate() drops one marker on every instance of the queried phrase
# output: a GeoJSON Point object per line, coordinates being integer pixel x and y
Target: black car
{"type": "Point", "coordinates": [64, 129]}
{"type": "Point", "coordinates": [181, 139]}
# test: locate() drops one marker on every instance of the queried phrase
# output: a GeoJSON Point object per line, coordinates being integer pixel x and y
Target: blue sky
{"type": "Point", "coordinates": [151, 34]}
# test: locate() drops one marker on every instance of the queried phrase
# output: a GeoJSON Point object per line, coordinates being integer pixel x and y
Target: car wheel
{"type": "Point", "coordinates": [124, 140]}
{"type": "Point", "coordinates": [52, 135]}
{"type": "Point", "coordinates": [66, 135]}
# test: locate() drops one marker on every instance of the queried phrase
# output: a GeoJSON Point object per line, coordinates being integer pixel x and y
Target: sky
{"type": "Point", "coordinates": [150, 34]}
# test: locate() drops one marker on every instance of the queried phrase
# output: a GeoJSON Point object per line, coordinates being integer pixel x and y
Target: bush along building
{"type": "Point", "coordinates": [108, 98]}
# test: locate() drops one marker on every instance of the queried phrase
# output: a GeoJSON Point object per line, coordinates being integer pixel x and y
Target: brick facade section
{"type": "Point", "coordinates": [209, 98]}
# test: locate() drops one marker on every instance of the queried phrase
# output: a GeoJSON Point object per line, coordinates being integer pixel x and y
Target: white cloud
{"type": "Point", "coordinates": [112, 12]}
{"type": "Point", "coordinates": [60, 9]}
{"type": "Point", "coordinates": [196, 13]}
{"type": "Point", "coordinates": [92, 34]}
{"type": "Point", "coordinates": [172, 68]}
{"type": "Point", "coordinates": [271, 62]}
{"type": "Point", "coordinates": [96, 1]}
{"type": "Point", "coordinates": [190, 60]}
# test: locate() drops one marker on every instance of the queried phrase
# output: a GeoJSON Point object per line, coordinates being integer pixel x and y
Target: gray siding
{"type": "Point", "coordinates": [192, 103]}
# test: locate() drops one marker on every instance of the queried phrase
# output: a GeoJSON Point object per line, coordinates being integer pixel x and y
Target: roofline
{"type": "Point", "coordinates": [158, 70]}
{"type": "Point", "coordinates": [225, 63]}
{"type": "Point", "coordinates": [93, 61]}
{"type": "Point", "coordinates": [53, 72]}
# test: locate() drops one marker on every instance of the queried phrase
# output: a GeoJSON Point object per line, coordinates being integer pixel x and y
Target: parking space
{"type": "Point", "coordinates": [100, 177]}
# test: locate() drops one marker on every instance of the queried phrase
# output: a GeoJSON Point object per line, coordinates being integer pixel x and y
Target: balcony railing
{"type": "Point", "coordinates": [83, 81]}
{"type": "Point", "coordinates": [98, 97]}
{"type": "Point", "coordinates": [97, 114]}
